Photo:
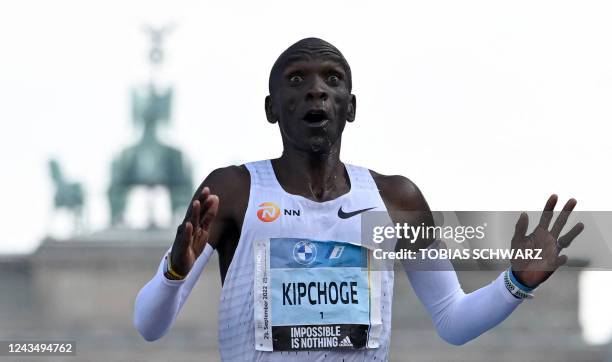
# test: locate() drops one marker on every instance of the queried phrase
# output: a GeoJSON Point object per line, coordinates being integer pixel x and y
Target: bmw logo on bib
{"type": "Point", "coordinates": [304, 252]}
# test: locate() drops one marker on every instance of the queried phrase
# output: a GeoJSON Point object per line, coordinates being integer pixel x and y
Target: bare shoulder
{"type": "Point", "coordinates": [401, 196]}
{"type": "Point", "coordinates": [231, 184]}
{"type": "Point", "coordinates": [230, 178]}
{"type": "Point", "coordinates": [399, 192]}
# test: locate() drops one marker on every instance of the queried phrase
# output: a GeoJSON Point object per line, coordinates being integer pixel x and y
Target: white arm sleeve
{"type": "Point", "coordinates": [459, 317]}
{"type": "Point", "coordinates": [160, 300]}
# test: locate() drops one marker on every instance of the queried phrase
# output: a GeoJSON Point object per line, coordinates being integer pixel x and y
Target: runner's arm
{"type": "Point", "coordinates": [161, 299]}
{"type": "Point", "coordinates": [458, 317]}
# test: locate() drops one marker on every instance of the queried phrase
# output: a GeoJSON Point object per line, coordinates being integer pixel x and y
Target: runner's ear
{"type": "Point", "coordinates": [270, 114]}
{"type": "Point", "coordinates": [352, 109]}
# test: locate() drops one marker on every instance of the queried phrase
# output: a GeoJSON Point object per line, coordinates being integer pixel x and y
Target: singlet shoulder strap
{"type": "Point", "coordinates": [361, 179]}
{"type": "Point", "coordinates": [262, 174]}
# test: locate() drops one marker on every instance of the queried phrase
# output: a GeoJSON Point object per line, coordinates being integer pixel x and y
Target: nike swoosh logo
{"type": "Point", "coordinates": [346, 215]}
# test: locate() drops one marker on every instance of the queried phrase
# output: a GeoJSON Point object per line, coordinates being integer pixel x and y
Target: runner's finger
{"type": "Point", "coordinates": [204, 195]}
{"type": "Point", "coordinates": [562, 218]}
{"type": "Point", "coordinates": [565, 240]}
{"type": "Point", "coordinates": [521, 227]}
{"type": "Point", "coordinates": [211, 207]}
{"type": "Point", "coordinates": [186, 241]}
{"type": "Point", "coordinates": [195, 213]}
{"type": "Point", "coordinates": [548, 211]}
{"type": "Point", "coordinates": [561, 259]}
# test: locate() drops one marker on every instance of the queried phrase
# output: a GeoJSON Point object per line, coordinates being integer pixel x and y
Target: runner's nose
{"type": "Point", "coordinates": [318, 91]}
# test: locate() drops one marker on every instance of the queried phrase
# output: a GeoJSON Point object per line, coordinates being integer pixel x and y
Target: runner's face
{"type": "Point", "coordinates": [312, 103]}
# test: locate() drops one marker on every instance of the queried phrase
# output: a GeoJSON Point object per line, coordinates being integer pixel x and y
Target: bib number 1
{"type": "Point", "coordinates": [311, 294]}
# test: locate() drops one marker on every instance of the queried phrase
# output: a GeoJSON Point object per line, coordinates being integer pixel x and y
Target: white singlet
{"type": "Point", "coordinates": [303, 225]}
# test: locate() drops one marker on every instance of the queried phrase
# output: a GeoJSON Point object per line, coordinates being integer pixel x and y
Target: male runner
{"type": "Point", "coordinates": [287, 232]}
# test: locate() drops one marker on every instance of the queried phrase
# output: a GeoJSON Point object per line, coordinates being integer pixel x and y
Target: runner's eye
{"type": "Point", "coordinates": [333, 79]}
{"type": "Point", "coordinates": [295, 79]}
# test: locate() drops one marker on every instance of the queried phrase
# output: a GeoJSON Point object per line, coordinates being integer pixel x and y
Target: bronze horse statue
{"type": "Point", "coordinates": [149, 162]}
{"type": "Point", "coordinates": [68, 194]}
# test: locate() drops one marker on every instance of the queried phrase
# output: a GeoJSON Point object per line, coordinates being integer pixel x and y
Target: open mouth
{"type": "Point", "coordinates": [316, 118]}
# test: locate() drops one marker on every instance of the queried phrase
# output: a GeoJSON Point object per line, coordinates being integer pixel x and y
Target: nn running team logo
{"type": "Point", "coordinates": [268, 212]}
{"type": "Point", "coordinates": [304, 252]}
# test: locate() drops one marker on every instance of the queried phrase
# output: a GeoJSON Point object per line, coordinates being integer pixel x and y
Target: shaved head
{"type": "Point", "coordinates": [307, 49]}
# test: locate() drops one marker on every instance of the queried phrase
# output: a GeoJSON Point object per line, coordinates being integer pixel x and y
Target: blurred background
{"type": "Point", "coordinates": [113, 112]}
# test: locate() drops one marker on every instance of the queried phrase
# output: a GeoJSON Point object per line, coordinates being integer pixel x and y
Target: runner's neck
{"type": "Point", "coordinates": [317, 178]}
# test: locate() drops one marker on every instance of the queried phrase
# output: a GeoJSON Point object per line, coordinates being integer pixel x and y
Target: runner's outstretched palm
{"type": "Point", "coordinates": [532, 272]}
{"type": "Point", "coordinates": [192, 235]}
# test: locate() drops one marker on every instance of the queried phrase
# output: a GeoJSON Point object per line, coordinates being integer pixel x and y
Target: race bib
{"type": "Point", "coordinates": [312, 295]}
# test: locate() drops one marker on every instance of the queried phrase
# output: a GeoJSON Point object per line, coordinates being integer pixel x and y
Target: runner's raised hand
{"type": "Point", "coordinates": [532, 272]}
{"type": "Point", "coordinates": [192, 235]}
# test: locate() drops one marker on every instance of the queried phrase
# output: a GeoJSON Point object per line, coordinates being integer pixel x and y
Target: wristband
{"type": "Point", "coordinates": [171, 271]}
{"type": "Point", "coordinates": [515, 281]}
{"type": "Point", "coordinates": [514, 289]}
